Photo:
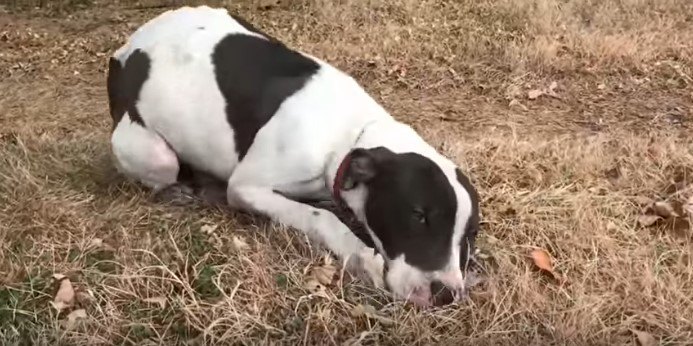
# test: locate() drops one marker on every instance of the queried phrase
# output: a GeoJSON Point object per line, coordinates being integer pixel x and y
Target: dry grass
{"type": "Point", "coordinates": [563, 174]}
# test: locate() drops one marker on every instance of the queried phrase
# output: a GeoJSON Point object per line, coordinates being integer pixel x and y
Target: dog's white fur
{"type": "Point", "coordinates": [308, 137]}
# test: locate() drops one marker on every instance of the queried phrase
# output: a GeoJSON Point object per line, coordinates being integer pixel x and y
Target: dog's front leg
{"type": "Point", "coordinates": [319, 224]}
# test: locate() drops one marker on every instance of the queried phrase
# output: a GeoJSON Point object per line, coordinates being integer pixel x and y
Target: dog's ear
{"type": "Point", "coordinates": [364, 165]}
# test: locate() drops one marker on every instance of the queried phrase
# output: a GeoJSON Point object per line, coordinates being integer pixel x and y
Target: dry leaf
{"type": "Point", "coordinates": [516, 103]}
{"type": "Point", "coordinates": [551, 91]}
{"type": "Point", "coordinates": [648, 220]}
{"type": "Point", "coordinates": [208, 229]}
{"type": "Point", "coordinates": [72, 318]}
{"type": "Point", "coordinates": [370, 312]}
{"type": "Point", "coordinates": [157, 300]}
{"type": "Point", "coordinates": [323, 274]}
{"type": "Point", "coordinates": [65, 295]}
{"type": "Point", "coordinates": [645, 338]}
{"type": "Point", "coordinates": [601, 86]}
{"type": "Point", "coordinates": [239, 243]}
{"type": "Point", "coordinates": [534, 94]}
{"type": "Point", "coordinates": [688, 207]}
{"type": "Point", "coordinates": [316, 288]}
{"type": "Point", "coordinates": [642, 200]}
{"type": "Point", "coordinates": [664, 209]}
{"type": "Point", "coordinates": [553, 86]}
{"type": "Point", "coordinates": [542, 260]}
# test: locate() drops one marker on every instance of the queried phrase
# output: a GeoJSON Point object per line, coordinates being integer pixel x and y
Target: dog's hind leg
{"type": "Point", "coordinates": [144, 156]}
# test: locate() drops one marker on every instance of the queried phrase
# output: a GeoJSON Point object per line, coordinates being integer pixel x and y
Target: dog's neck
{"type": "Point", "coordinates": [383, 132]}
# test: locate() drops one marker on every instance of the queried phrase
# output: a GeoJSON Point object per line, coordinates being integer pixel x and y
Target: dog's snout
{"type": "Point", "coordinates": [441, 294]}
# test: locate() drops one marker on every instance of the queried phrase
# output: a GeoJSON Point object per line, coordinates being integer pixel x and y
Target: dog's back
{"type": "Point", "coordinates": [207, 83]}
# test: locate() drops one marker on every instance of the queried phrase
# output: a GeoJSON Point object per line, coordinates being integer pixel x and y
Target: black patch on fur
{"type": "Point", "coordinates": [255, 76]}
{"type": "Point", "coordinates": [115, 100]}
{"type": "Point", "coordinates": [472, 229]}
{"type": "Point", "coordinates": [124, 85]}
{"type": "Point", "coordinates": [410, 207]}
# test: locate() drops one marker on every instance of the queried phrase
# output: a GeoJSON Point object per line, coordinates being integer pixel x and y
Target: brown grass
{"type": "Point", "coordinates": [560, 173]}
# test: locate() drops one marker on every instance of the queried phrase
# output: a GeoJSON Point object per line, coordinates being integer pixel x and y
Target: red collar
{"type": "Point", "coordinates": [339, 179]}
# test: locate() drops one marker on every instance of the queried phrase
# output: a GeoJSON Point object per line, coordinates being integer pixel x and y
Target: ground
{"type": "Point", "coordinates": [567, 172]}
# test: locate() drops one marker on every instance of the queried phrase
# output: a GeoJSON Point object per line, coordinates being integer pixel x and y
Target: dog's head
{"type": "Point", "coordinates": [422, 217]}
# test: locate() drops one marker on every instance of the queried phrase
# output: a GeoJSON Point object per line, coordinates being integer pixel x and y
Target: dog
{"type": "Point", "coordinates": [199, 87]}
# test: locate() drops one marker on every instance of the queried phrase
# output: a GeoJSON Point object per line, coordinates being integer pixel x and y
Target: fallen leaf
{"type": "Point", "coordinates": [370, 312]}
{"type": "Point", "coordinates": [664, 209]}
{"type": "Point", "coordinates": [542, 260]}
{"type": "Point", "coordinates": [316, 288]}
{"type": "Point", "coordinates": [239, 243]}
{"type": "Point", "coordinates": [65, 295]}
{"type": "Point", "coordinates": [534, 94]}
{"type": "Point", "coordinates": [598, 190]}
{"type": "Point", "coordinates": [323, 274]}
{"type": "Point", "coordinates": [601, 86]}
{"type": "Point", "coordinates": [648, 220]}
{"type": "Point", "coordinates": [645, 338]}
{"type": "Point", "coordinates": [84, 297]}
{"type": "Point", "coordinates": [688, 207]}
{"type": "Point", "coordinates": [642, 200]}
{"type": "Point", "coordinates": [156, 300]}
{"type": "Point", "coordinates": [208, 229]}
{"type": "Point", "coordinates": [516, 103]}
{"type": "Point", "coordinates": [73, 316]}
{"type": "Point", "coordinates": [553, 86]}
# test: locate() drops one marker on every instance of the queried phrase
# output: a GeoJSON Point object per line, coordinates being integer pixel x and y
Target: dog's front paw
{"type": "Point", "coordinates": [368, 266]}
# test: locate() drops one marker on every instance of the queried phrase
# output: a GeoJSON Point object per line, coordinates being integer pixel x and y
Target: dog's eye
{"type": "Point", "coordinates": [420, 216]}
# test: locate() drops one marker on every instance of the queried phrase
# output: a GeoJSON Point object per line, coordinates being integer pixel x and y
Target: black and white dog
{"type": "Point", "coordinates": [199, 87]}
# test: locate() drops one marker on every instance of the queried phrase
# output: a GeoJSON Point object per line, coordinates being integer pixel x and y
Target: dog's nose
{"type": "Point", "coordinates": [441, 294]}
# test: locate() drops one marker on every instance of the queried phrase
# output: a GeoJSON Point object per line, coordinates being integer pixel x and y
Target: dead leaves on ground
{"type": "Point", "coordinates": [645, 338]}
{"type": "Point", "coordinates": [548, 91]}
{"type": "Point", "coordinates": [65, 295]}
{"type": "Point", "coordinates": [73, 317]}
{"type": "Point", "coordinates": [320, 277]}
{"type": "Point", "coordinates": [161, 301]}
{"type": "Point", "coordinates": [534, 94]}
{"type": "Point", "coordinates": [64, 299]}
{"type": "Point", "coordinates": [542, 261]}
{"type": "Point", "coordinates": [673, 215]}
{"type": "Point", "coordinates": [370, 312]}
{"type": "Point", "coordinates": [238, 243]}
